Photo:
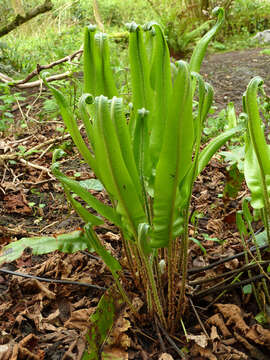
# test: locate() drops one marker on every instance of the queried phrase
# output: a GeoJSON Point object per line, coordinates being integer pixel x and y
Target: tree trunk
{"type": "Point", "coordinates": [20, 19]}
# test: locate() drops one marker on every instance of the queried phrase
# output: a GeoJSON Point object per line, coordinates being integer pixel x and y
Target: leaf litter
{"type": "Point", "coordinates": [40, 320]}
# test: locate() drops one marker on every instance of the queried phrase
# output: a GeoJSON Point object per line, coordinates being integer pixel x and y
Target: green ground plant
{"type": "Point", "coordinates": [7, 100]}
{"type": "Point", "coordinates": [257, 176]}
{"type": "Point", "coordinates": [257, 154]}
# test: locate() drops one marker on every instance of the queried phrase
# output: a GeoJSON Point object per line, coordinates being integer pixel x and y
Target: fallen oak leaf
{"type": "Point", "coordinates": [233, 314]}
{"type": "Point", "coordinates": [259, 335]}
{"type": "Point", "coordinates": [79, 319]}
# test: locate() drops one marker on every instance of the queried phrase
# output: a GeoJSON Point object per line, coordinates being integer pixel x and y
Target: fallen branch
{"type": "Point", "coordinates": [36, 83]}
{"type": "Point", "coordinates": [49, 66]}
{"type": "Point", "coordinates": [23, 84]}
{"type": "Point", "coordinates": [20, 19]}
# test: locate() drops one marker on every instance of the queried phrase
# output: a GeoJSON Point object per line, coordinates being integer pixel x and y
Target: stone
{"type": "Point", "coordinates": [263, 37]}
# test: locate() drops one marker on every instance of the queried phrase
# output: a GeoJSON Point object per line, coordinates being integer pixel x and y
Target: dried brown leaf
{"type": "Point", "coordinates": [111, 236]}
{"type": "Point", "coordinates": [28, 348]}
{"type": "Point", "coordinates": [165, 356]}
{"type": "Point", "coordinates": [114, 353]}
{"type": "Point", "coordinates": [204, 353]}
{"type": "Point", "coordinates": [6, 351]}
{"type": "Point", "coordinates": [225, 352]}
{"type": "Point", "coordinates": [199, 261]}
{"type": "Point", "coordinates": [254, 352]}
{"type": "Point", "coordinates": [232, 265]}
{"type": "Point", "coordinates": [259, 335]}
{"type": "Point", "coordinates": [75, 350]}
{"type": "Point", "coordinates": [218, 321]}
{"type": "Point", "coordinates": [79, 319]}
{"type": "Point", "coordinates": [201, 340]}
{"type": "Point", "coordinates": [118, 337]}
{"type": "Point", "coordinates": [214, 334]}
{"type": "Point", "coordinates": [233, 314]}
{"type": "Point", "coordinates": [17, 203]}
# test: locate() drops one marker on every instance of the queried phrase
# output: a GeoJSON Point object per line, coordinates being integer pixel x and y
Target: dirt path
{"type": "Point", "coordinates": [229, 73]}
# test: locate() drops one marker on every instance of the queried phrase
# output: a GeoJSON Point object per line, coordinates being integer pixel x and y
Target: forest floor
{"type": "Point", "coordinates": [40, 320]}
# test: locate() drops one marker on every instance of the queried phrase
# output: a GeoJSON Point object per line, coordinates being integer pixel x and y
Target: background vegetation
{"type": "Point", "coordinates": [58, 33]}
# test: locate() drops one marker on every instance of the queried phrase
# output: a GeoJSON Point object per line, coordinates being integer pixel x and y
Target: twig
{"type": "Point", "coordinates": [172, 343]}
{"type": "Point", "coordinates": [5, 78]}
{"type": "Point", "coordinates": [236, 271]}
{"type": "Point", "coordinates": [57, 281]}
{"type": "Point", "coordinates": [36, 99]}
{"type": "Point", "coordinates": [163, 348]}
{"type": "Point", "coordinates": [35, 166]}
{"type": "Point", "coordinates": [22, 114]}
{"type": "Point", "coordinates": [48, 79]}
{"type": "Point", "coordinates": [19, 230]}
{"type": "Point", "coordinates": [38, 182]}
{"type": "Point", "coordinates": [17, 107]}
{"type": "Point", "coordinates": [48, 226]}
{"type": "Point", "coordinates": [39, 67]}
{"type": "Point", "coordinates": [12, 82]}
{"type": "Point", "coordinates": [198, 318]}
{"type": "Point", "coordinates": [97, 15]}
{"type": "Point", "coordinates": [4, 175]}
{"type": "Point", "coordinates": [45, 143]}
{"type": "Point", "coordinates": [23, 84]}
{"type": "Point", "coordinates": [90, 255]}
{"type": "Point", "coordinates": [228, 287]}
{"type": "Point", "coordinates": [6, 157]}
{"type": "Point", "coordinates": [21, 140]}
{"type": "Point", "coordinates": [45, 151]}
{"type": "Point", "coordinates": [222, 261]}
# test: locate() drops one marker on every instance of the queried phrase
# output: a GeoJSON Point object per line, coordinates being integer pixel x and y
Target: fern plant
{"type": "Point", "coordinates": [147, 161]}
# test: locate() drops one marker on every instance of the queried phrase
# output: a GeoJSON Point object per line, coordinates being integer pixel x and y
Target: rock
{"type": "Point", "coordinates": [263, 37]}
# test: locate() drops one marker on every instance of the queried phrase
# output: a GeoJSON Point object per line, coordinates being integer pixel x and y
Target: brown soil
{"type": "Point", "coordinates": [229, 73]}
{"type": "Point", "coordinates": [48, 321]}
